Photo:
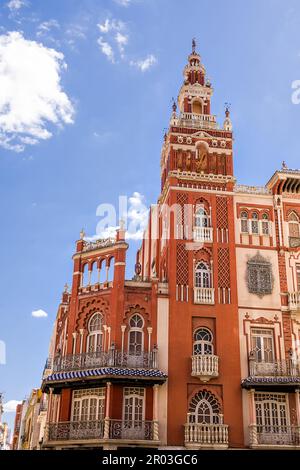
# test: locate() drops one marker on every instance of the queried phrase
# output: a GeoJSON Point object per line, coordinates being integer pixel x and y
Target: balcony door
{"type": "Point", "coordinates": [87, 416]}
{"type": "Point", "coordinates": [133, 413]}
{"type": "Point", "coordinates": [202, 275]}
{"type": "Point", "coordinates": [272, 418]}
{"type": "Point", "coordinates": [262, 345]}
{"type": "Point", "coordinates": [298, 276]}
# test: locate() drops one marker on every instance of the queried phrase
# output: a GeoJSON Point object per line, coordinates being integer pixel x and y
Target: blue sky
{"type": "Point", "coordinates": [109, 108]}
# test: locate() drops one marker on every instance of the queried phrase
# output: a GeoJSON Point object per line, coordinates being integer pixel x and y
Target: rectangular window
{"type": "Point", "coordinates": [88, 405]}
{"type": "Point", "coordinates": [272, 416]}
{"type": "Point", "coordinates": [298, 276]}
{"type": "Point", "coordinates": [265, 227]}
{"type": "Point", "coordinates": [254, 226]}
{"type": "Point", "coordinates": [262, 344]}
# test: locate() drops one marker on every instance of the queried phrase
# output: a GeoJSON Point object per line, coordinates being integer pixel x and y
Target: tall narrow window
{"type": "Point", "coordinates": [298, 276]}
{"type": "Point", "coordinates": [294, 227]}
{"type": "Point", "coordinates": [201, 218]}
{"type": "Point", "coordinates": [133, 426]}
{"type": "Point", "coordinates": [254, 223]}
{"type": "Point", "coordinates": [94, 339]}
{"type": "Point", "coordinates": [136, 335]}
{"type": "Point", "coordinates": [265, 224]}
{"type": "Point", "coordinates": [244, 222]}
{"type": "Point", "coordinates": [202, 275]}
{"type": "Point", "coordinates": [204, 409]}
{"type": "Point", "coordinates": [262, 344]}
{"type": "Point", "coordinates": [203, 342]}
{"type": "Point", "coordinates": [259, 276]}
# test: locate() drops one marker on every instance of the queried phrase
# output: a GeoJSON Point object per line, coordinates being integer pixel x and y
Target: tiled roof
{"type": "Point", "coordinates": [79, 374]}
{"type": "Point", "coordinates": [270, 380]}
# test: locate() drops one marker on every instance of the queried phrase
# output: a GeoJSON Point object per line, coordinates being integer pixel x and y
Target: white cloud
{"type": "Point", "coordinates": [10, 406]}
{"type": "Point", "coordinates": [106, 49]}
{"type": "Point", "coordinates": [116, 38]}
{"type": "Point", "coordinates": [16, 4]}
{"type": "Point", "coordinates": [39, 313]}
{"type": "Point", "coordinates": [121, 40]}
{"type": "Point", "coordinates": [144, 64]}
{"type": "Point", "coordinates": [123, 3]}
{"type": "Point", "coordinates": [46, 26]}
{"type": "Point", "coordinates": [111, 25]}
{"type": "Point", "coordinates": [31, 96]}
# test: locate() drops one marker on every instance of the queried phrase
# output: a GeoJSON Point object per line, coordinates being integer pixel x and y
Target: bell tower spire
{"type": "Point", "coordinates": [196, 146]}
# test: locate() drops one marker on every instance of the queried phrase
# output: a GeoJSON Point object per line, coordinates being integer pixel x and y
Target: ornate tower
{"type": "Point", "coordinates": [196, 257]}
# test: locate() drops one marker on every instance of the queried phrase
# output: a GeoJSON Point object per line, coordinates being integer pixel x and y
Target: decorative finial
{"type": "Point", "coordinates": [194, 45]}
{"type": "Point", "coordinates": [82, 234]}
{"type": "Point", "coordinates": [284, 165]}
{"type": "Point", "coordinates": [66, 288]}
{"type": "Point", "coordinates": [227, 109]}
{"type": "Point", "coordinates": [174, 106]}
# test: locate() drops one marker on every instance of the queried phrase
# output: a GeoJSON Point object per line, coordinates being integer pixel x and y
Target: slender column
{"type": "Point", "coordinates": [155, 412]}
{"type": "Point", "coordinates": [149, 329]}
{"type": "Point", "coordinates": [107, 269]}
{"type": "Point", "coordinates": [123, 328]}
{"type": "Point", "coordinates": [107, 405]}
{"type": "Point", "coordinates": [297, 403]}
{"type": "Point", "coordinates": [105, 330]}
{"type": "Point", "coordinates": [252, 416]}
{"type": "Point", "coordinates": [108, 330]}
{"type": "Point", "coordinates": [81, 340]}
{"type": "Point", "coordinates": [74, 342]}
{"type": "Point", "coordinates": [89, 278]}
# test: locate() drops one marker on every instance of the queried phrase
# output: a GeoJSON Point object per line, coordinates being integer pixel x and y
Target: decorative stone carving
{"type": "Point", "coordinates": [259, 275]}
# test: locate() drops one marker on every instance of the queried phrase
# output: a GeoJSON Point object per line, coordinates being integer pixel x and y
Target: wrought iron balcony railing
{"type": "Point", "coordinates": [204, 295]}
{"type": "Point", "coordinates": [113, 358]}
{"type": "Point", "coordinates": [105, 429]}
{"type": "Point", "coordinates": [133, 430]}
{"type": "Point", "coordinates": [274, 435]}
{"type": "Point", "coordinates": [205, 367]}
{"type": "Point", "coordinates": [206, 435]}
{"type": "Point", "coordinates": [280, 368]}
{"type": "Point", "coordinates": [294, 300]}
{"type": "Point", "coordinates": [203, 234]}
{"type": "Point", "coordinates": [74, 430]}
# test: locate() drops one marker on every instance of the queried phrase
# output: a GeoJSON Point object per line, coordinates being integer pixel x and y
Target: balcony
{"type": "Point", "coordinates": [205, 367]}
{"type": "Point", "coordinates": [294, 301]}
{"type": "Point", "coordinates": [75, 430]}
{"type": "Point", "coordinates": [101, 432]}
{"type": "Point", "coordinates": [282, 368]}
{"type": "Point", "coordinates": [193, 120]}
{"type": "Point", "coordinates": [274, 436]}
{"type": "Point", "coordinates": [204, 295]}
{"type": "Point", "coordinates": [209, 436]}
{"type": "Point", "coordinates": [203, 234]}
{"type": "Point", "coordinates": [294, 242]}
{"type": "Point", "coordinates": [113, 358]}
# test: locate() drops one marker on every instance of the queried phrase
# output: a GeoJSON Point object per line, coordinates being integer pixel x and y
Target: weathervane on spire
{"type": "Point", "coordinates": [194, 45]}
{"type": "Point", "coordinates": [227, 108]}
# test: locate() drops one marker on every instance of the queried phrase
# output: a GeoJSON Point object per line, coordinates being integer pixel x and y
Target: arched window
{"type": "Point", "coordinates": [294, 228]}
{"type": "Point", "coordinates": [94, 339]}
{"type": "Point", "coordinates": [265, 224]}
{"type": "Point", "coordinates": [254, 223]}
{"type": "Point", "coordinates": [197, 107]}
{"type": "Point", "coordinates": [244, 222]}
{"type": "Point", "coordinates": [201, 218]}
{"type": "Point", "coordinates": [202, 275]}
{"type": "Point", "coordinates": [136, 335]}
{"type": "Point", "coordinates": [203, 342]}
{"type": "Point", "coordinates": [204, 409]}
